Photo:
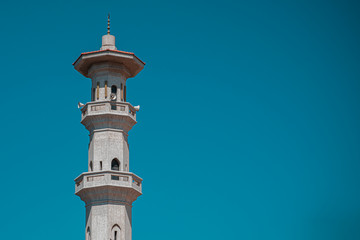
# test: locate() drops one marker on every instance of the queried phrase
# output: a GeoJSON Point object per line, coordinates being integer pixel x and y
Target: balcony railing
{"type": "Point", "coordinates": [113, 178]}
{"type": "Point", "coordinates": [121, 108]}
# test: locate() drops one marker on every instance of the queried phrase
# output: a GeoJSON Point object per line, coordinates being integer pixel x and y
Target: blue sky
{"type": "Point", "coordinates": [248, 128]}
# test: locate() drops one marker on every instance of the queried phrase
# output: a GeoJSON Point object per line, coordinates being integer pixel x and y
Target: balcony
{"type": "Point", "coordinates": [108, 178]}
{"type": "Point", "coordinates": [101, 107]}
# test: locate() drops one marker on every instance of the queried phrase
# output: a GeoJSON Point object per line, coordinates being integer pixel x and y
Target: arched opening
{"type": "Point", "coordinates": [91, 166]}
{"type": "Point", "coordinates": [113, 89]}
{"type": "Point", "coordinates": [93, 95]}
{"type": "Point", "coordinates": [113, 96]}
{"type": "Point", "coordinates": [121, 92]}
{"type": "Point", "coordinates": [115, 232]}
{"type": "Point", "coordinates": [106, 90]}
{"type": "Point", "coordinates": [124, 93]}
{"type": "Point", "coordinates": [115, 165]}
{"type": "Point", "coordinates": [88, 235]}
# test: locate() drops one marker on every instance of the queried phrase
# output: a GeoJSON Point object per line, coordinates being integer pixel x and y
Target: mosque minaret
{"type": "Point", "coordinates": [108, 188]}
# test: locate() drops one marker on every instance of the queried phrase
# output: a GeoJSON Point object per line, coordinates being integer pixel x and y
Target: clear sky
{"type": "Point", "coordinates": [248, 128]}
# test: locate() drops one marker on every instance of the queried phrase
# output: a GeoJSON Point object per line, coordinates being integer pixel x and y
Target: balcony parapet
{"type": "Point", "coordinates": [101, 107]}
{"type": "Point", "coordinates": [108, 178]}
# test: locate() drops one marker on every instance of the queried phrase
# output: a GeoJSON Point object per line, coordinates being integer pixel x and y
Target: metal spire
{"type": "Point", "coordinates": [108, 28]}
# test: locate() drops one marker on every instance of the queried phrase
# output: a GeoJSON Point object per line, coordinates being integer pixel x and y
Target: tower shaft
{"type": "Point", "coordinates": [108, 188]}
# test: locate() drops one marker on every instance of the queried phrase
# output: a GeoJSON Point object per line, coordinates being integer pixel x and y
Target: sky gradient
{"type": "Point", "coordinates": [248, 127]}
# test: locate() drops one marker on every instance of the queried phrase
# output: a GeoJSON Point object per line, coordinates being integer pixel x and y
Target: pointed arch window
{"type": "Point", "coordinates": [113, 89]}
{"type": "Point", "coordinates": [91, 166]}
{"type": "Point", "coordinates": [97, 90]}
{"type": "Point", "coordinates": [115, 164]}
{"type": "Point", "coordinates": [106, 90]}
{"type": "Point", "coordinates": [88, 234]}
{"type": "Point", "coordinates": [124, 93]}
{"type": "Point", "coordinates": [115, 232]}
{"type": "Point", "coordinates": [121, 92]}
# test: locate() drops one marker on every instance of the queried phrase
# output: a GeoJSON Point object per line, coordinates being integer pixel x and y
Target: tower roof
{"type": "Point", "coordinates": [109, 53]}
{"type": "Point", "coordinates": [133, 64]}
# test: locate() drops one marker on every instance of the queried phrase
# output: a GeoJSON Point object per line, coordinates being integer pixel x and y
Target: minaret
{"type": "Point", "coordinates": [108, 188]}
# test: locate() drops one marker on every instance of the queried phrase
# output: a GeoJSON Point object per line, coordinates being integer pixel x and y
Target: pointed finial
{"type": "Point", "coordinates": [108, 41]}
{"type": "Point", "coordinates": [108, 28]}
